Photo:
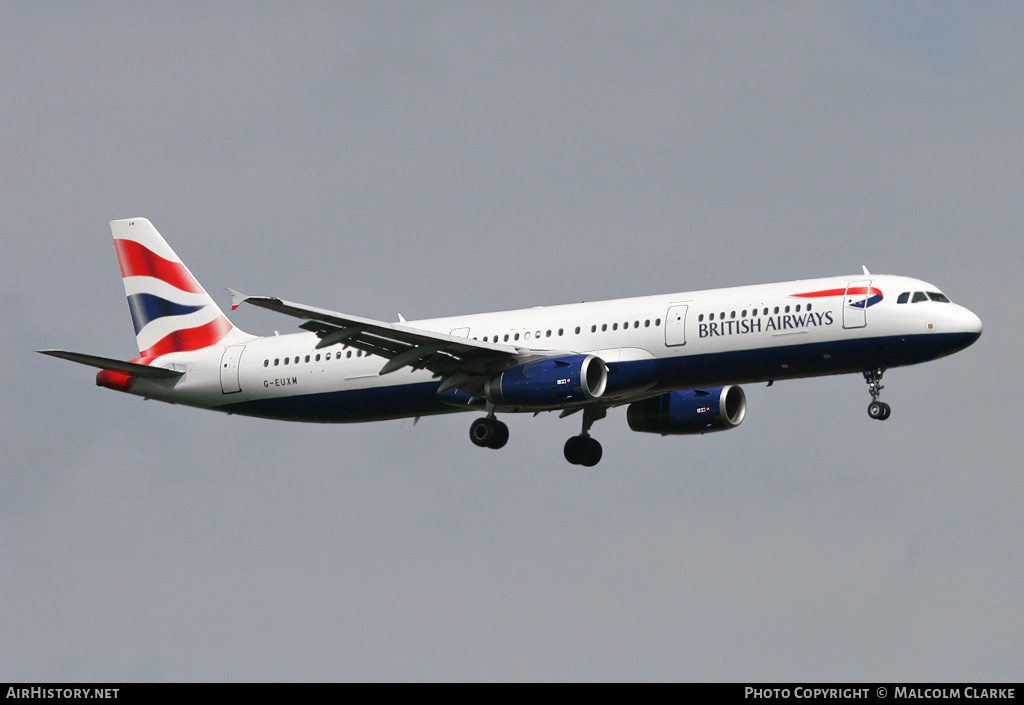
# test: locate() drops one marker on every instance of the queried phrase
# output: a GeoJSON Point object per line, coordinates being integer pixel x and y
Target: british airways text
{"type": "Point", "coordinates": [771, 323]}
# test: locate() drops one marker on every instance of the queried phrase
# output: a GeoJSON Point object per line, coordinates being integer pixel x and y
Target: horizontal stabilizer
{"type": "Point", "coordinates": [106, 363]}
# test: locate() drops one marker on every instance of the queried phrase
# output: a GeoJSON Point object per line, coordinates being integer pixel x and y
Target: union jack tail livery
{"type": "Point", "coordinates": [170, 309]}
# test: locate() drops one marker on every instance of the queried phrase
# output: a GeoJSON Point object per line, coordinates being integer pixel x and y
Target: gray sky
{"type": "Point", "coordinates": [443, 158]}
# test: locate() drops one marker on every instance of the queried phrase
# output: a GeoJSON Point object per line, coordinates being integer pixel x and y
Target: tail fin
{"type": "Point", "coordinates": [170, 309]}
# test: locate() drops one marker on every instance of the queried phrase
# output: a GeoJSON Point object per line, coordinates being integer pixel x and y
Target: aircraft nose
{"type": "Point", "coordinates": [970, 323]}
{"type": "Point", "coordinates": [974, 323]}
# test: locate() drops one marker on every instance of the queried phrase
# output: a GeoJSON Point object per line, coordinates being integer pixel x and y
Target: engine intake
{"type": "Point", "coordinates": [551, 382]}
{"type": "Point", "coordinates": [689, 411]}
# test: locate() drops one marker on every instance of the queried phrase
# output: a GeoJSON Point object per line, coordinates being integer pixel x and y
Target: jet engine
{"type": "Point", "coordinates": [549, 382]}
{"type": "Point", "coordinates": [689, 411]}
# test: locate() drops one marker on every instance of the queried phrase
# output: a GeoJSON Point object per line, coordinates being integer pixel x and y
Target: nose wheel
{"type": "Point", "coordinates": [877, 410]}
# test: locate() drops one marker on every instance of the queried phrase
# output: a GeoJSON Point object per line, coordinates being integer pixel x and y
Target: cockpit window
{"type": "Point", "coordinates": [903, 298]}
{"type": "Point", "coordinates": [919, 297]}
{"type": "Point", "coordinates": [937, 296]}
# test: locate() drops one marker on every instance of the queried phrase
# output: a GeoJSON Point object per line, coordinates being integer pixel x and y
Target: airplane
{"type": "Point", "coordinates": [675, 360]}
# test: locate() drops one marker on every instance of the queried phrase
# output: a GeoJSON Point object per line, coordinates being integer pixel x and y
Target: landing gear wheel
{"type": "Point", "coordinates": [879, 410]}
{"type": "Point", "coordinates": [488, 432]}
{"type": "Point", "coordinates": [594, 453]}
{"type": "Point", "coordinates": [583, 450]}
{"type": "Point", "coordinates": [500, 435]}
{"type": "Point", "coordinates": [575, 450]}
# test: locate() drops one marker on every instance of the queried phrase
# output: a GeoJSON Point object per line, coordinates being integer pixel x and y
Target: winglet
{"type": "Point", "coordinates": [866, 272]}
{"type": "Point", "coordinates": [237, 298]}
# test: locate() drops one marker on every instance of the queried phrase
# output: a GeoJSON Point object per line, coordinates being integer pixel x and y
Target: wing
{"type": "Point", "coordinates": [463, 363]}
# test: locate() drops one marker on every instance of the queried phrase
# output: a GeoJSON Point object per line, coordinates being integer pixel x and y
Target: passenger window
{"type": "Point", "coordinates": [711, 317]}
{"type": "Point", "coordinates": [903, 298]}
{"type": "Point", "coordinates": [798, 308]}
{"type": "Point", "coordinates": [700, 318]}
{"type": "Point", "coordinates": [657, 321]}
{"type": "Point", "coordinates": [562, 330]}
{"type": "Point", "coordinates": [517, 336]}
{"type": "Point", "coordinates": [919, 297]}
{"type": "Point", "coordinates": [732, 314]}
{"type": "Point", "coordinates": [604, 327]}
{"type": "Point", "coordinates": [506, 338]}
{"type": "Point", "coordinates": [296, 359]}
{"type": "Point", "coordinates": [743, 313]}
{"type": "Point", "coordinates": [647, 323]}
{"type": "Point", "coordinates": [548, 334]}
{"type": "Point", "coordinates": [307, 358]}
{"type": "Point", "coordinates": [615, 326]}
{"type": "Point", "coordinates": [808, 307]}
{"type": "Point", "coordinates": [577, 330]}
{"type": "Point", "coordinates": [266, 363]}
{"type": "Point", "coordinates": [327, 356]}
{"type": "Point", "coordinates": [593, 329]}
{"type": "Point", "coordinates": [277, 361]}
{"type": "Point", "coordinates": [776, 309]}
{"type": "Point", "coordinates": [318, 357]}
{"type": "Point", "coordinates": [787, 309]}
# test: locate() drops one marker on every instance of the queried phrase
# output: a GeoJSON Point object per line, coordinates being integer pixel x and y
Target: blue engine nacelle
{"type": "Point", "coordinates": [551, 382]}
{"type": "Point", "coordinates": [689, 411]}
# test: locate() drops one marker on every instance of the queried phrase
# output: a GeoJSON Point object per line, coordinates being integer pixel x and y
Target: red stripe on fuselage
{"type": "Point", "coordinates": [840, 292]}
{"type": "Point", "coordinates": [139, 261]}
{"type": "Point", "coordinates": [190, 338]}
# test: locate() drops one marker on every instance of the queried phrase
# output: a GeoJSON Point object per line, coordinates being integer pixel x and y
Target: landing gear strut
{"type": "Point", "coordinates": [877, 410]}
{"type": "Point", "coordinates": [582, 449]}
{"type": "Point", "coordinates": [488, 432]}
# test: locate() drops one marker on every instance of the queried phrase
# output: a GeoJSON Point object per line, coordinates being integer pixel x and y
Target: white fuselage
{"type": "Point", "coordinates": [650, 345]}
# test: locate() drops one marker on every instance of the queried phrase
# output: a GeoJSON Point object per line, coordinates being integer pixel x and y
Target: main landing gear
{"type": "Point", "coordinates": [877, 410]}
{"type": "Point", "coordinates": [582, 449]}
{"type": "Point", "coordinates": [488, 432]}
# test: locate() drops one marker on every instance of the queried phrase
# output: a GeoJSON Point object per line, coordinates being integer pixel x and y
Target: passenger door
{"type": "Point", "coordinates": [855, 304]}
{"type": "Point", "coordinates": [675, 325]}
{"type": "Point", "coordinates": [229, 369]}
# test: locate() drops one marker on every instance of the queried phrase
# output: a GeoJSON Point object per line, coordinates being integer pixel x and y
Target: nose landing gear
{"type": "Point", "coordinates": [877, 410]}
